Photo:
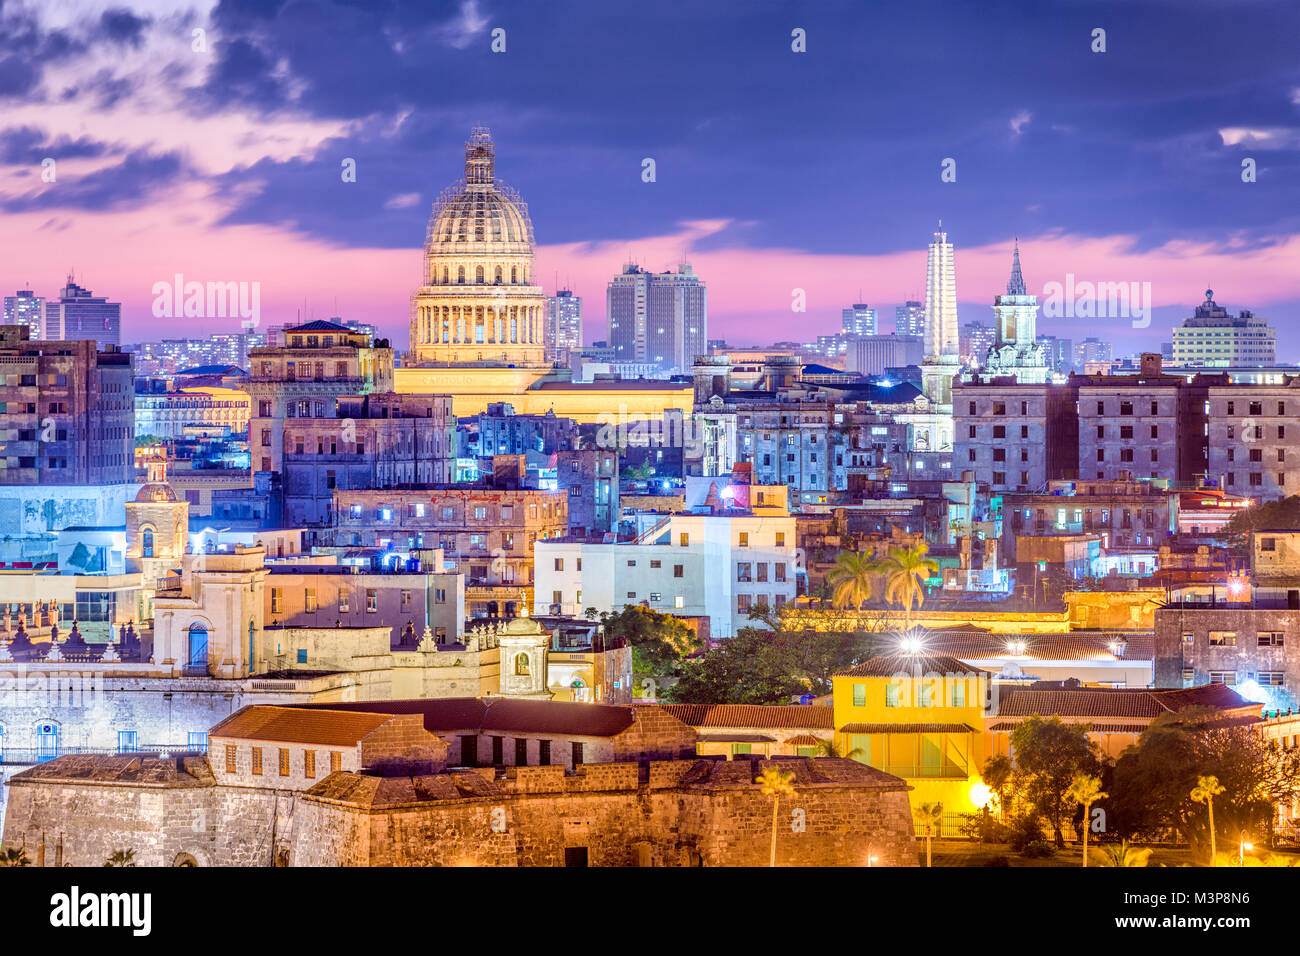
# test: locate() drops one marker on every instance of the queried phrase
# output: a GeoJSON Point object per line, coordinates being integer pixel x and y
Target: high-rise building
{"type": "Point", "coordinates": [79, 314]}
{"type": "Point", "coordinates": [68, 411]}
{"type": "Point", "coordinates": [859, 319]}
{"type": "Point", "coordinates": [1058, 352]}
{"type": "Point", "coordinates": [1212, 338]}
{"type": "Point", "coordinates": [909, 318]}
{"type": "Point", "coordinates": [942, 345]}
{"type": "Point", "coordinates": [27, 308]}
{"type": "Point", "coordinates": [475, 303]}
{"type": "Point", "coordinates": [1016, 350]}
{"type": "Point", "coordinates": [1091, 351]}
{"type": "Point", "coordinates": [659, 318]}
{"type": "Point", "coordinates": [563, 324]}
{"type": "Point", "coordinates": [975, 341]}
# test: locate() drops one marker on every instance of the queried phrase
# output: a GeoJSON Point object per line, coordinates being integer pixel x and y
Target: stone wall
{"type": "Point", "coordinates": [688, 812]}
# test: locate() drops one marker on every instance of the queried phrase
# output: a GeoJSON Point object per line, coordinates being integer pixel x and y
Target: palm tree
{"type": "Point", "coordinates": [1206, 789]}
{"type": "Point", "coordinates": [827, 748]}
{"type": "Point", "coordinates": [774, 783]}
{"type": "Point", "coordinates": [1085, 789]}
{"type": "Point", "coordinates": [13, 857]}
{"type": "Point", "coordinates": [853, 579]}
{"type": "Point", "coordinates": [906, 570]}
{"type": "Point", "coordinates": [996, 775]}
{"type": "Point", "coordinates": [930, 814]}
{"type": "Point", "coordinates": [1122, 854]}
{"type": "Point", "coordinates": [121, 858]}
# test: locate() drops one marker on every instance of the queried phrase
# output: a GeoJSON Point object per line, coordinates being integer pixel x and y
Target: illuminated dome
{"type": "Point", "coordinates": [475, 304]}
{"type": "Point", "coordinates": [156, 490]}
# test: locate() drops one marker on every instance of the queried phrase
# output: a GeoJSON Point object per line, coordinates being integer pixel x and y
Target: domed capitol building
{"type": "Point", "coordinates": [476, 304]}
{"type": "Point", "coordinates": [478, 323]}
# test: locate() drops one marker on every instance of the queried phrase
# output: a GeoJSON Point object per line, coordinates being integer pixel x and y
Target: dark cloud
{"type": "Point", "coordinates": [124, 185]}
{"type": "Point", "coordinates": [123, 26]}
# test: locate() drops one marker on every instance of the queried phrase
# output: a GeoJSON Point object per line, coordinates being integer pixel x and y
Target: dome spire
{"type": "Point", "coordinates": [480, 158]}
{"type": "Point", "coordinates": [1017, 284]}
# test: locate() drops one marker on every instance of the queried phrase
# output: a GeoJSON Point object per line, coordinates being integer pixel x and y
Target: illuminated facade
{"type": "Point", "coordinates": [475, 303]}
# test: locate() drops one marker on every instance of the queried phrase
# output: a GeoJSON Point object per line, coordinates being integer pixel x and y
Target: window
{"type": "Point", "coordinates": [780, 539]}
{"type": "Point", "coordinates": [543, 753]}
{"type": "Point", "coordinates": [577, 754]}
{"type": "Point", "coordinates": [859, 695]}
{"type": "Point", "coordinates": [892, 695]}
{"type": "Point", "coordinates": [1223, 638]}
{"type": "Point", "coordinates": [1268, 544]}
{"type": "Point", "coordinates": [276, 601]}
{"type": "Point", "coordinates": [1223, 677]}
{"type": "Point", "coordinates": [778, 571]}
{"type": "Point", "coordinates": [284, 761]}
{"type": "Point", "coordinates": [310, 599]}
{"type": "Point", "coordinates": [744, 539]}
{"type": "Point", "coordinates": [336, 761]}
{"type": "Point", "coordinates": [1270, 638]}
{"type": "Point", "coordinates": [678, 570]}
{"type": "Point", "coordinates": [744, 571]}
{"type": "Point", "coordinates": [684, 539]}
{"type": "Point", "coordinates": [146, 548]}
{"type": "Point", "coordinates": [230, 758]}
{"type": "Point", "coordinates": [309, 764]}
{"type": "Point", "coordinates": [958, 693]}
{"type": "Point", "coordinates": [1270, 678]}
{"type": "Point", "coordinates": [302, 655]}
{"type": "Point", "coordinates": [521, 752]}
{"type": "Point", "coordinates": [741, 750]}
{"type": "Point", "coordinates": [126, 742]}
{"type": "Point", "coordinates": [372, 600]}
{"type": "Point", "coordinates": [257, 761]}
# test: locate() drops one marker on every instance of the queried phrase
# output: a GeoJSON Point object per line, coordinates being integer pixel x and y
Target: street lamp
{"type": "Point", "coordinates": [1241, 850]}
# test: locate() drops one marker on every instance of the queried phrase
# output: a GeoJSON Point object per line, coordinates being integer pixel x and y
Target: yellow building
{"type": "Point", "coordinates": [919, 717]}
{"type": "Point", "coordinates": [536, 391]}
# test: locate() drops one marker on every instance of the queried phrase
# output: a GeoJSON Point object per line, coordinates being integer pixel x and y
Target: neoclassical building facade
{"type": "Point", "coordinates": [476, 304]}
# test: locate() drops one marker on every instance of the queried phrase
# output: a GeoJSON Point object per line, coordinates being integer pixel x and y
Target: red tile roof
{"type": "Point", "coordinates": [892, 665]}
{"type": "Point", "coordinates": [1007, 726]}
{"type": "Point", "coordinates": [562, 718]}
{"type": "Point", "coordinates": [907, 729]}
{"type": "Point", "coordinates": [299, 725]}
{"type": "Point", "coordinates": [1074, 646]}
{"type": "Point", "coordinates": [803, 740]}
{"type": "Point", "coordinates": [1113, 701]}
{"type": "Point", "coordinates": [754, 715]}
{"type": "Point", "coordinates": [736, 739]}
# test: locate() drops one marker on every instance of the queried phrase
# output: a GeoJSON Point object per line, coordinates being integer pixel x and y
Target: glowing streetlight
{"type": "Point", "coordinates": [1241, 851]}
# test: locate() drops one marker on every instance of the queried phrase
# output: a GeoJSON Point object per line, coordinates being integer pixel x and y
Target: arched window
{"type": "Point", "coordinates": [521, 665]}
{"type": "Point", "coordinates": [514, 275]}
{"type": "Point", "coordinates": [498, 280]}
{"type": "Point", "coordinates": [146, 543]}
{"type": "Point", "coordinates": [460, 275]}
{"type": "Point", "coordinates": [446, 276]}
{"type": "Point", "coordinates": [478, 275]}
{"type": "Point", "coordinates": [198, 646]}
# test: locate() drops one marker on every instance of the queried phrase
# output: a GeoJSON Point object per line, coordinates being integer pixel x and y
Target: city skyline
{"type": "Point", "coordinates": [158, 171]}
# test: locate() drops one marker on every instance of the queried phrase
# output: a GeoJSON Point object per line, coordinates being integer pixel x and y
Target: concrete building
{"type": "Point", "coordinates": [304, 378]}
{"type": "Point", "coordinates": [1254, 439]}
{"type": "Point", "coordinates": [1091, 351]}
{"type": "Point", "coordinates": [858, 319]}
{"type": "Point", "coordinates": [66, 412]}
{"type": "Point", "coordinates": [872, 354]}
{"type": "Point", "coordinates": [563, 325]}
{"type": "Point", "coordinates": [909, 319]}
{"type": "Point", "coordinates": [80, 315]}
{"type": "Point", "coordinates": [486, 533]}
{"type": "Point", "coordinates": [179, 413]}
{"type": "Point", "coordinates": [27, 308]}
{"type": "Point", "coordinates": [589, 476]}
{"type": "Point", "coordinates": [1014, 437]}
{"type": "Point", "coordinates": [658, 317]}
{"type": "Point", "coordinates": [695, 565]}
{"type": "Point", "coordinates": [1212, 338]}
{"type": "Point", "coordinates": [379, 440]}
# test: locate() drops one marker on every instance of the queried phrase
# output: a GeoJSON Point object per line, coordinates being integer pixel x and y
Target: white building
{"type": "Point", "coordinates": [694, 565]}
{"type": "Point", "coordinates": [1212, 338]}
{"type": "Point", "coordinates": [942, 339]}
{"type": "Point", "coordinates": [1016, 350]}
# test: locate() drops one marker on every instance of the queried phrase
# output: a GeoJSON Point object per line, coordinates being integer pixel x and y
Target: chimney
{"type": "Point", "coordinates": [1152, 362]}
